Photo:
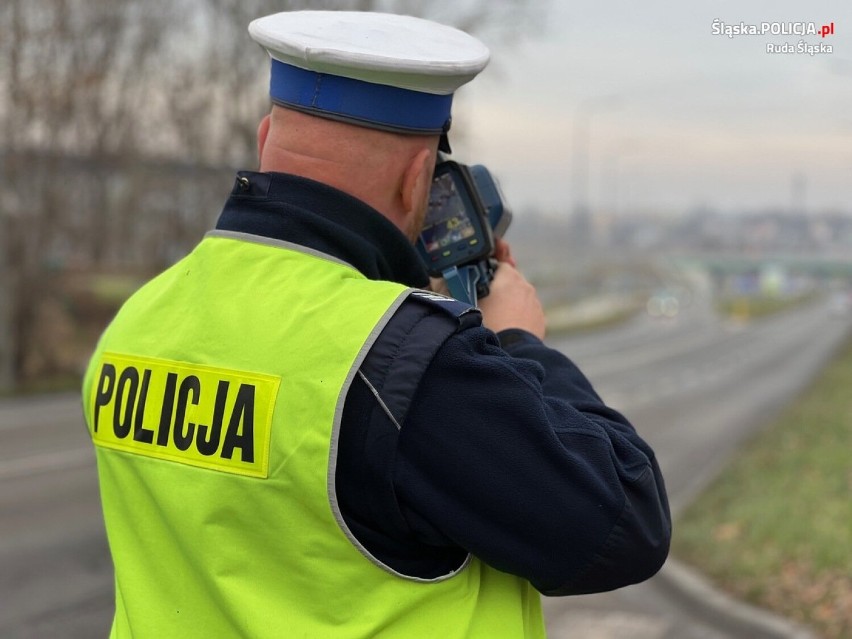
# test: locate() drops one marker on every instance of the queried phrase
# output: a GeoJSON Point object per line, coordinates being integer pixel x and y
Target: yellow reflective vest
{"type": "Point", "coordinates": [214, 402]}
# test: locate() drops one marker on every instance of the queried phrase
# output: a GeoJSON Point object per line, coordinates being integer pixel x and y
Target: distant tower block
{"type": "Point", "coordinates": [798, 193]}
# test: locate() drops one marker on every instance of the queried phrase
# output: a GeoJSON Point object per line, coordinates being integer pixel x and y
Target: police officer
{"type": "Point", "coordinates": [295, 440]}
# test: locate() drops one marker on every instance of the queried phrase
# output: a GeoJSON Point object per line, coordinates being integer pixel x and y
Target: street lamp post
{"type": "Point", "coordinates": [582, 160]}
{"type": "Point", "coordinates": [7, 339]}
{"type": "Point", "coordinates": [7, 365]}
{"type": "Point", "coordinates": [613, 176]}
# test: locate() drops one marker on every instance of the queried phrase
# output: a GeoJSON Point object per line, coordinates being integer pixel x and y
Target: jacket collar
{"type": "Point", "coordinates": [315, 215]}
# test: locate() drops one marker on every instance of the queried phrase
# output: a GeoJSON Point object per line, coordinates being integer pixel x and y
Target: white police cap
{"type": "Point", "coordinates": [377, 70]}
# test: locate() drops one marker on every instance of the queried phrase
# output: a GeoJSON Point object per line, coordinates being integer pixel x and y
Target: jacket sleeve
{"type": "Point", "coordinates": [508, 452]}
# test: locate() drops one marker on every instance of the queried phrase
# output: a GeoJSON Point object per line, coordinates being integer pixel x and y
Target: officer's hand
{"type": "Point", "coordinates": [503, 252]}
{"type": "Point", "coordinates": [512, 302]}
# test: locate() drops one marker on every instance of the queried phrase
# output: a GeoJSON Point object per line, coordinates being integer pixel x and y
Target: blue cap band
{"type": "Point", "coordinates": [365, 103]}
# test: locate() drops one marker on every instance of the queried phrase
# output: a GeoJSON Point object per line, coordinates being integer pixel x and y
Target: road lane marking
{"type": "Point", "coordinates": [46, 462]}
{"type": "Point", "coordinates": [645, 354]}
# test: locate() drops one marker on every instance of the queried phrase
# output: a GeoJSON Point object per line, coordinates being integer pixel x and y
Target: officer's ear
{"type": "Point", "coordinates": [262, 134]}
{"type": "Point", "coordinates": [415, 189]}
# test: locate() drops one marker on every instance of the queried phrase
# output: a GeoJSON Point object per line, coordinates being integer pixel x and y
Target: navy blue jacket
{"type": "Point", "coordinates": [455, 440]}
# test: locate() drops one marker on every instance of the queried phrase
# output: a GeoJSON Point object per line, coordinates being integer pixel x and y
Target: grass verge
{"type": "Point", "coordinates": [754, 307]}
{"type": "Point", "coordinates": [592, 314]}
{"type": "Point", "coordinates": [776, 528]}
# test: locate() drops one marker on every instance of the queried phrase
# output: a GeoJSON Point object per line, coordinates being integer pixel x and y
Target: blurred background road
{"type": "Point", "coordinates": [694, 384]}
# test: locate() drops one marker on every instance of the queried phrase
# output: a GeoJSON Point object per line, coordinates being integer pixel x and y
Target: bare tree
{"type": "Point", "coordinates": [63, 63]}
{"type": "Point", "coordinates": [119, 123]}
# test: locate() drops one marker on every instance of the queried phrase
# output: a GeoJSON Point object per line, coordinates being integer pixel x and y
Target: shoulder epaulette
{"type": "Point", "coordinates": [466, 314]}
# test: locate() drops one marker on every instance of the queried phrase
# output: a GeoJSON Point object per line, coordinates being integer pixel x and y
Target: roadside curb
{"type": "Point", "coordinates": [694, 591]}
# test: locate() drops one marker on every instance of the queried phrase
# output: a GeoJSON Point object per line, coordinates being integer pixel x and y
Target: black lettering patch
{"type": "Point", "coordinates": [187, 413]}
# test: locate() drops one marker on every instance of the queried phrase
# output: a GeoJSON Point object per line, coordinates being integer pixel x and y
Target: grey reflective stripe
{"type": "Point", "coordinates": [268, 241]}
{"type": "Point", "coordinates": [335, 437]}
{"type": "Point", "coordinates": [380, 400]}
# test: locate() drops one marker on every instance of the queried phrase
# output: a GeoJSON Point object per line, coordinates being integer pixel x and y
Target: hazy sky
{"type": "Point", "coordinates": [689, 118]}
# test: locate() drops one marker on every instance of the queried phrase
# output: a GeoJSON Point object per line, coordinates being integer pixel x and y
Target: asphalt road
{"type": "Point", "coordinates": [55, 570]}
{"type": "Point", "coordinates": [694, 386]}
